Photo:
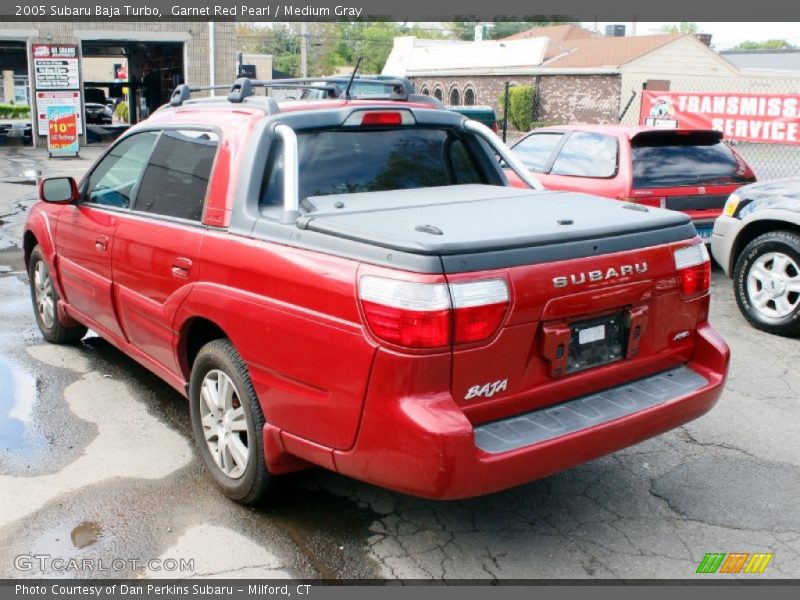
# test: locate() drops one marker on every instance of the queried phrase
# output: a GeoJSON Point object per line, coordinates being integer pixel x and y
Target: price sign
{"type": "Point", "coordinates": [62, 130]}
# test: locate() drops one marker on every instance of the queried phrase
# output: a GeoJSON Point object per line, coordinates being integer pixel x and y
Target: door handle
{"type": "Point", "coordinates": [101, 243]}
{"type": "Point", "coordinates": [181, 267]}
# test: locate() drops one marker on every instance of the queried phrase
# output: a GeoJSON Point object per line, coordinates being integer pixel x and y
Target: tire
{"type": "Point", "coordinates": [222, 431]}
{"type": "Point", "coordinates": [766, 281]}
{"type": "Point", "coordinates": [45, 303]}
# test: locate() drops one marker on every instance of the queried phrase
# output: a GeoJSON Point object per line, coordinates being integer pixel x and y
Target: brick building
{"type": "Point", "coordinates": [140, 63]}
{"type": "Point", "coordinates": [578, 75]}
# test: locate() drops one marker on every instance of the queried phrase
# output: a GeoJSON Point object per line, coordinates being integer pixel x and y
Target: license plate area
{"type": "Point", "coordinates": [597, 341]}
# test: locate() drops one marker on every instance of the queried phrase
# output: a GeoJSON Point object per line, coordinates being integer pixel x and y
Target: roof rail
{"type": "Point", "coordinates": [243, 87]}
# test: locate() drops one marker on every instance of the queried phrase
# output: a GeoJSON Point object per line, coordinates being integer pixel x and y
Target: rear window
{"type": "Point", "coordinates": [347, 162]}
{"type": "Point", "coordinates": [666, 160]}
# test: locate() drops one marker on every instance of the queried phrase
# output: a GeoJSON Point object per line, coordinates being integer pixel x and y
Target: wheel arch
{"type": "Point", "coordinates": [756, 228]}
{"type": "Point", "coordinates": [29, 242]}
{"type": "Point", "coordinates": [195, 333]}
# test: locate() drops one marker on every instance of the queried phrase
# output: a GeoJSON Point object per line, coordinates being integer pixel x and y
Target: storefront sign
{"type": "Point", "coordinates": [62, 130]}
{"type": "Point", "coordinates": [55, 67]}
{"type": "Point", "coordinates": [748, 117]}
{"type": "Point", "coordinates": [45, 100]}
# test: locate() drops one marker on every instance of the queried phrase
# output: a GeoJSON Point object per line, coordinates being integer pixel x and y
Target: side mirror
{"type": "Point", "coordinates": [58, 190]}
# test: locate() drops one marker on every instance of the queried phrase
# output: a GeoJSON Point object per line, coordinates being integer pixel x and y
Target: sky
{"type": "Point", "coordinates": [725, 35]}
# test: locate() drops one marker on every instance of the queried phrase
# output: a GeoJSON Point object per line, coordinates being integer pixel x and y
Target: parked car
{"type": "Point", "coordinates": [757, 243]}
{"type": "Point", "coordinates": [352, 284]}
{"type": "Point", "coordinates": [388, 87]}
{"type": "Point", "coordinates": [686, 170]}
{"type": "Point", "coordinates": [98, 114]}
{"type": "Point", "coordinates": [481, 114]}
{"type": "Point", "coordinates": [363, 86]}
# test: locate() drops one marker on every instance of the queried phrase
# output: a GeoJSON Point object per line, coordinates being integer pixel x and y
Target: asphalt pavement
{"type": "Point", "coordinates": [97, 462]}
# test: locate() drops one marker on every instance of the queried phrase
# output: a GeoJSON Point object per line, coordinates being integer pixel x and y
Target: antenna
{"type": "Point", "coordinates": [352, 76]}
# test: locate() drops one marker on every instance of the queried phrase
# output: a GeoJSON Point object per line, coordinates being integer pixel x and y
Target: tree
{"type": "Point", "coordinates": [767, 45]}
{"type": "Point", "coordinates": [684, 27]}
{"type": "Point", "coordinates": [520, 106]}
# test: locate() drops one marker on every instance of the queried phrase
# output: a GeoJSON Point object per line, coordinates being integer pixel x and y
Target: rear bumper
{"type": "Point", "coordinates": [424, 446]}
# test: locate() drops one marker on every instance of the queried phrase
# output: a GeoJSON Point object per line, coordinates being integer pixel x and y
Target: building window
{"type": "Point", "coordinates": [469, 97]}
{"type": "Point", "coordinates": [426, 91]}
{"type": "Point", "coordinates": [437, 93]}
{"type": "Point", "coordinates": [455, 97]}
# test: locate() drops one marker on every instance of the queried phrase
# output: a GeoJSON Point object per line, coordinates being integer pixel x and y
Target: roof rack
{"type": "Point", "coordinates": [244, 87]}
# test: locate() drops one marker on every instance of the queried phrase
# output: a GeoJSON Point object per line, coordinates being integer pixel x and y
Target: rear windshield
{"type": "Point", "coordinates": [673, 160]}
{"type": "Point", "coordinates": [351, 161]}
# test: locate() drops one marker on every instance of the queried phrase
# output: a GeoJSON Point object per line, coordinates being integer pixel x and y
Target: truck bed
{"type": "Point", "coordinates": [469, 219]}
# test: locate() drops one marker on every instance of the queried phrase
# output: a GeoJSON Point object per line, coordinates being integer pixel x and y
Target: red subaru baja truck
{"type": "Point", "coordinates": [353, 284]}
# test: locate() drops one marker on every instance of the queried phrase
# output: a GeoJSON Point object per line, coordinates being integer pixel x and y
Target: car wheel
{"type": "Point", "coordinates": [45, 303]}
{"type": "Point", "coordinates": [227, 423]}
{"type": "Point", "coordinates": [767, 282]}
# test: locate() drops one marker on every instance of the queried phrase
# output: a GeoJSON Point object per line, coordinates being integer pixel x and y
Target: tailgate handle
{"type": "Point", "coordinates": [555, 347]}
{"type": "Point", "coordinates": [636, 322]}
{"type": "Point", "coordinates": [181, 267]}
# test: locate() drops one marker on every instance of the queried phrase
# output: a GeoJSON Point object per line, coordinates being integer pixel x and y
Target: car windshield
{"type": "Point", "coordinates": [350, 161]}
{"type": "Point", "coordinates": [669, 159]}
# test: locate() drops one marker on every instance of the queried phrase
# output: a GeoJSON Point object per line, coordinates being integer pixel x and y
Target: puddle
{"type": "Point", "coordinates": [12, 260]}
{"type": "Point", "coordinates": [17, 395]}
{"type": "Point", "coordinates": [85, 534]}
{"type": "Point", "coordinates": [18, 436]}
{"type": "Point", "coordinates": [330, 530]}
{"type": "Point", "coordinates": [66, 540]}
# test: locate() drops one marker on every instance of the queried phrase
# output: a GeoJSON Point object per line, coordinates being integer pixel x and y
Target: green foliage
{"type": "Point", "coordinates": [121, 112]}
{"type": "Point", "coordinates": [14, 111]}
{"type": "Point", "coordinates": [767, 45]}
{"type": "Point", "coordinates": [684, 27]}
{"type": "Point", "coordinates": [520, 106]}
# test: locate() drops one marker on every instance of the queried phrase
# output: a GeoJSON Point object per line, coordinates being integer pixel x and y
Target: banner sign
{"type": "Point", "coordinates": [62, 130]}
{"type": "Point", "coordinates": [55, 67]}
{"type": "Point", "coordinates": [44, 100]}
{"type": "Point", "coordinates": [771, 118]}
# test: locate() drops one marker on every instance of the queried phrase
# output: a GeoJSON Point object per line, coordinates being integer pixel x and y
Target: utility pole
{"type": "Point", "coordinates": [303, 49]}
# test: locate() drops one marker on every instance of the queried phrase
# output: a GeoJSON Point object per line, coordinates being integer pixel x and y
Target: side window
{"type": "Point", "coordinates": [535, 150]}
{"type": "Point", "coordinates": [113, 181]}
{"type": "Point", "coordinates": [587, 155]}
{"type": "Point", "coordinates": [176, 178]}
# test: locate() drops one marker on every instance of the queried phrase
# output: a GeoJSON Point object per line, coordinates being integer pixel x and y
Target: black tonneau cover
{"type": "Point", "coordinates": [471, 219]}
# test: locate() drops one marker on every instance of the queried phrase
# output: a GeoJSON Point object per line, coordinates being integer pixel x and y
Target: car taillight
{"type": "Point", "coordinates": [433, 315]}
{"type": "Point", "coordinates": [694, 267]}
{"type": "Point", "coordinates": [479, 308]}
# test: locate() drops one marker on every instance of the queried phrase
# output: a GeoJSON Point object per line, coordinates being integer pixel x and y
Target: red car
{"type": "Point", "coordinates": [354, 285]}
{"type": "Point", "coordinates": [693, 171]}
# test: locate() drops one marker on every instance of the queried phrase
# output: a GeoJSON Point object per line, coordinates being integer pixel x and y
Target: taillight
{"type": "Point", "coordinates": [479, 308]}
{"type": "Point", "coordinates": [694, 267]}
{"type": "Point", "coordinates": [433, 315]}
